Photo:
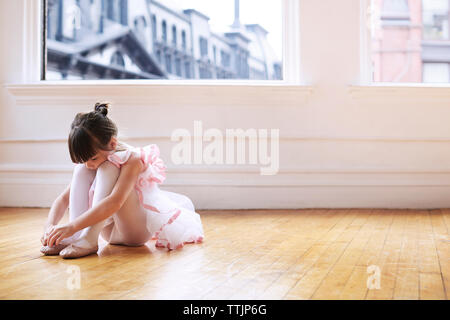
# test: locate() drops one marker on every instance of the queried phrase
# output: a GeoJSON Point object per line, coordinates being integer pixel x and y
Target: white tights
{"type": "Point", "coordinates": [127, 226]}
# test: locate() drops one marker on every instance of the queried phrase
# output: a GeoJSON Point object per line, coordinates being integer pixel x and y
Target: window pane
{"type": "Point", "coordinates": [410, 40]}
{"type": "Point", "coordinates": [436, 72]}
{"type": "Point", "coordinates": [164, 39]}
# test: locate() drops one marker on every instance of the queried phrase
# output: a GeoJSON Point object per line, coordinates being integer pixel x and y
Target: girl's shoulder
{"type": "Point", "coordinates": [153, 168]}
{"type": "Point", "coordinates": [134, 158]}
{"type": "Point", "coordinates": [122, 154]}
{"type": "Point", "coordinates": [148, 155]}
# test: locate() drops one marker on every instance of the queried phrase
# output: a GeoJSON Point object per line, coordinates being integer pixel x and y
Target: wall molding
{"type": "Point", "coordinates": [21, 192]}
{"type": "Point", "coordinates": [404, 93]}
{"type": "Point", "coordinates": [145, 93]}
{"type": "Point", "coordinates": [391, 139]}
{"type": "Point", "coordinates": [242, 170]}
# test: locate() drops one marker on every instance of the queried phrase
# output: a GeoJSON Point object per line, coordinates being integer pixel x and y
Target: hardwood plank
{"type": "Point", "coordinates": [431, 287]}
{"type": "Point", "coordinates": [407, 284]}
{"type": "Point", "coordinates": [387, 261]}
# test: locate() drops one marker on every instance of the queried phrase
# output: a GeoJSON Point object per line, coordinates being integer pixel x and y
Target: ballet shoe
{"type": "Point", "coordinates": [72, 251]}
{"type": "Point", "coordinates": [53, 251]}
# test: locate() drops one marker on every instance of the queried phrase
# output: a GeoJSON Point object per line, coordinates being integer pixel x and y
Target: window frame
{"type": "Point", "coordinates": [34, 38]}
{"type": "Point", "coordinates": [366, 70]}
{"type": "Point", "coordinates": [34, 51]}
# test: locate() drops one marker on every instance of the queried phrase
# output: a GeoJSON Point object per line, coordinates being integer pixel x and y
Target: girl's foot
{"type": "Point", "coordinates": [53, 251]}
{"type": "Point", "coordinates": [72, 251]}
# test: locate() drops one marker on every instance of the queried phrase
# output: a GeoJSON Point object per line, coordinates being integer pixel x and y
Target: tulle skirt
{"type": "Point", "coordinates": [171, 218]}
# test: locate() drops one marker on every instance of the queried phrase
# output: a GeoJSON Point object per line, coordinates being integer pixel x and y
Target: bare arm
{"type": "Point", "coordinates": [59, 207]}
{"type": "Point", "coordinates": [107, 206]}
{"type": "Point", "coordinates": [57, 210]}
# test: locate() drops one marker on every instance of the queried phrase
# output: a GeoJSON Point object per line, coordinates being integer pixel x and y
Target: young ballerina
{"type": "Point", "coordinates": [114, 192]}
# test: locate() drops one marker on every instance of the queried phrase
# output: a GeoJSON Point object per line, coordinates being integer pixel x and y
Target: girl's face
{"type": "Point", "coordinates": [101, 156]}
{"type": "Point", "coordinates": [94, 162]}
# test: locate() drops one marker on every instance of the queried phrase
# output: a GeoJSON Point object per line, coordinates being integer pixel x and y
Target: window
{"type": "Point", "coordinates": [436, 72]}
{"type": "Point", "coordinates": [178, 66]}
{"type": "Point", "coordinates": [225, 59]}
{"type": "Point", "coordinates": [83, 36]}
{"type": "Point", "coordinates": [117, 59]}
{"type": "Point", "coordinates": [168, 63]}
{"type": "Point", "coordinates": [72, 23]}
{"type": "Point", "coordinates": [112, 10]}
{"type": "Point", "coordinates": [116, 10]}
{"type": "Point", "coordinates": [183, 40]}
{"type": "Point", "coordinates": [410, 40]}
{"type": "Point", "coordinates": [203, 43]}
{"type": "Point", "coordinates": [205, 73]}
{"type": "Point", "coordinates": [154, 29]}
{"type": "Point", "coordinates": [164, 31]}
{"type": "Point", "coordinates": [187, 70]}
{"type": "Point", "coordinates": [140, 24]}
{"type": "Point", "coordinates": [174, 36]}
{"type": "Point", "coordinates": [158, 56]}
{"type": "Point", "coordinates": [435, 20]}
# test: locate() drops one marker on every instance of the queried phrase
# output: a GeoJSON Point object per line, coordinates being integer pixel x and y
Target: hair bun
{"type": "Point", "coordinates": [102, 107]}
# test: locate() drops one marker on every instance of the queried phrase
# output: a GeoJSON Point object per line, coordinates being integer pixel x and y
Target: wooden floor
{"type": "Point", "coordinates": [254, 254]}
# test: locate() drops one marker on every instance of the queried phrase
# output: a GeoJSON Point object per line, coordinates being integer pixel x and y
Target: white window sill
{"type": "Point", "coordinates": [161, 92]}
{"type": "Point", "coordinates": [403, 85]}
{"type": "Point", "coordinates": [419, 92]}
{"type": "Point", "coordinates": [208, 83]}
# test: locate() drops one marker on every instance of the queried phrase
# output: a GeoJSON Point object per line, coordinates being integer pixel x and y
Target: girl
{"type": "Point", "coordinates": [114, 192]}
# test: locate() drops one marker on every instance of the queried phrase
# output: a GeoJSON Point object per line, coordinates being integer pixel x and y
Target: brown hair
{"type": "Point", "coordinates": [91, 132]}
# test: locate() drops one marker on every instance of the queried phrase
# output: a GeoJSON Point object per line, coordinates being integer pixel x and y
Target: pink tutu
{"type": "Point", "coordinates": [171, 217]}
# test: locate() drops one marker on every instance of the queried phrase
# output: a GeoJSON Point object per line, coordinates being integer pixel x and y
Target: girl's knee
{"type": "Point", "coordinates": [80, 170]}
{"type": "Point", "coordinates": [108, 168]}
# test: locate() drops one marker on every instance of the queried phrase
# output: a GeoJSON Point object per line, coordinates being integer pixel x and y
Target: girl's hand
{"type": "Point", "coordinates": [47, 229]}
{"type": "Point", "coordinates": [59, 233]}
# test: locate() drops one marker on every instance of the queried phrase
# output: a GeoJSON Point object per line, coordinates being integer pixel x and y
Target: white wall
{"type": "Point", "coordinates": [341, 145]}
